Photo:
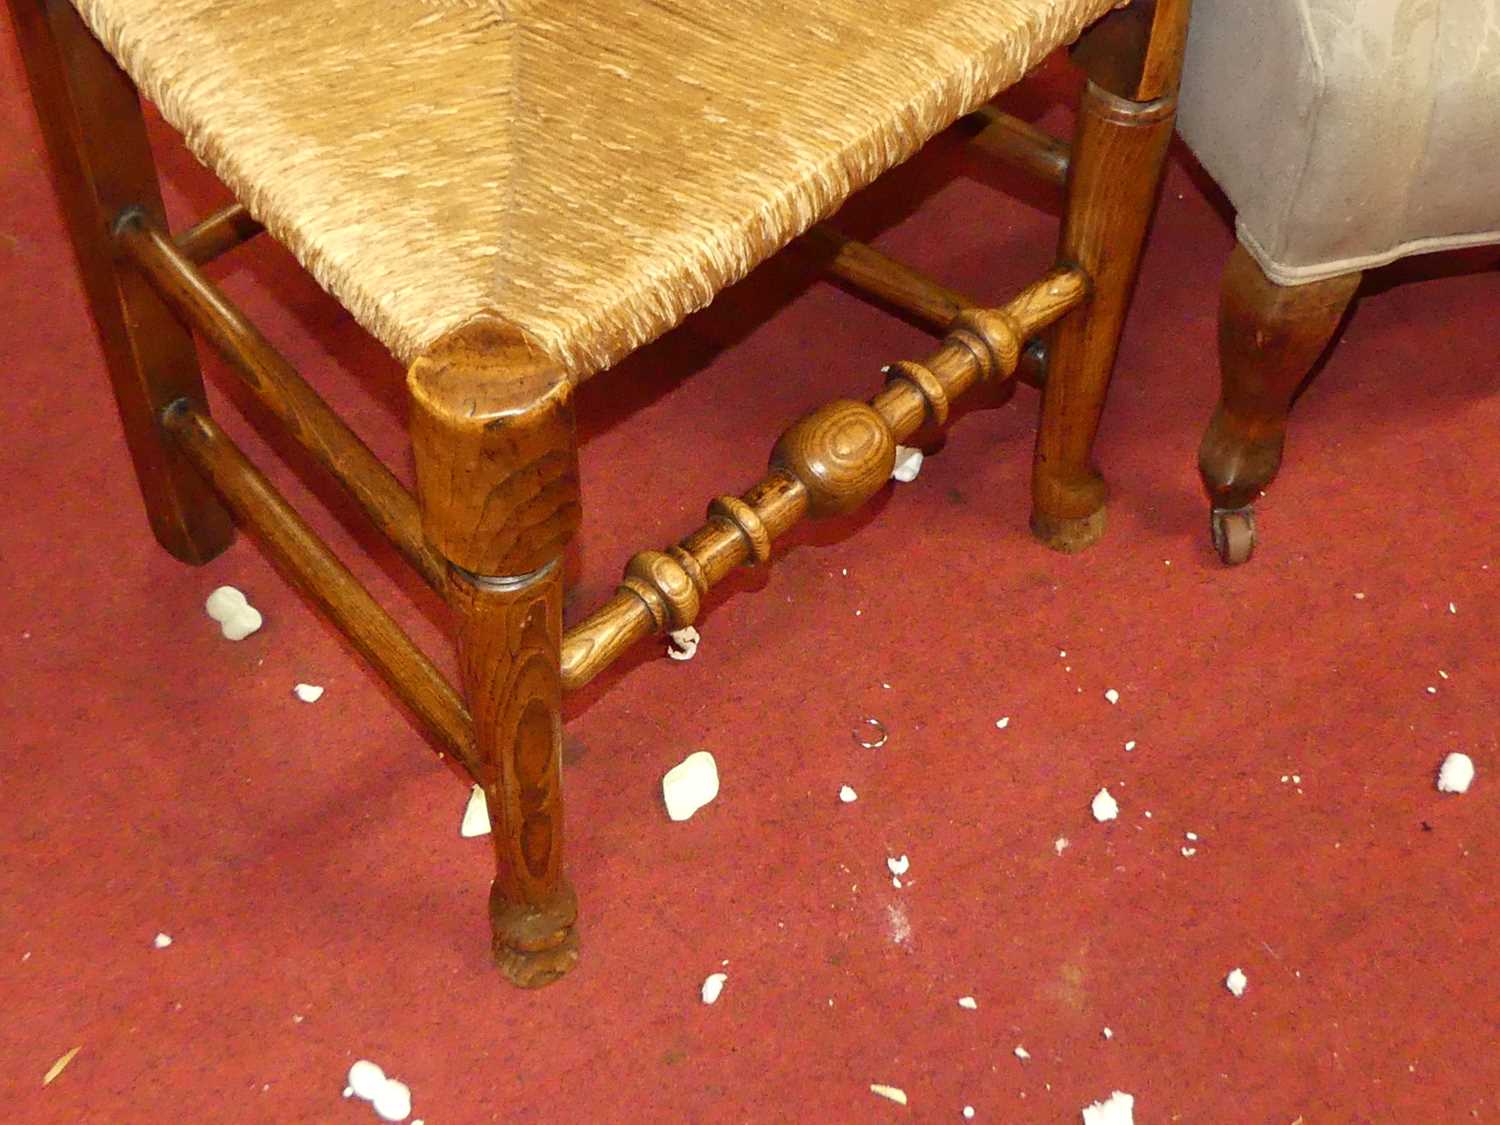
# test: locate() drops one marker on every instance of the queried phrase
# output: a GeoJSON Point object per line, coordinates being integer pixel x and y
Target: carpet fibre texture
{"type": "Point", "coordinates": [305, 858]}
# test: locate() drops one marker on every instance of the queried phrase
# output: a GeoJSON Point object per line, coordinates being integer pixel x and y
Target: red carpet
{"type": "Point", "coordinates": [305, 859]}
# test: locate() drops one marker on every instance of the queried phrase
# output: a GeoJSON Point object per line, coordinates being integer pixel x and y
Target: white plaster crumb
{"type": "Point", "coordinates": [1452, 608]}
{"type": "Point", "coordinates": [1002, 722]}
{"type": "Point", "coordinates": [1117, 1109]}
{"type": "Point", "coordinates": [348, 1091]}
{"type": "Point", "coordinates": [896, 881]}
{"type": "Point", "coordinates": [1296, 779]}
{"type": "Point", "coordinates": [1060, 845]}
{"type": "Point", "coordinates": [237, 618]}
{"type": "Point", "coordinates": [847, 794]}
{"type": "Point", "coordinates": [1236, 981]}
{"type": "Point", "coordinates": [308, 693]}
{"type": "Point", "coordinates": [393, 1101]}
{"type": "Point", "coordinates": [846, 572]}
{"type": "Point", "coordinates": [1189, 852]}
{"type": "Point", "coordinates": [366, 1079]}
{"type": "Point", "coordinates": [968, 1113]}
{"type": "Point", "coordinates": [297, 1017]}
{"type": "Point", "coordinates": [1022, 1053]}
{"type": "Point", "coordinates": [1112, 695]}
{"type": "Point", "coordinates": [1285, 778]}
{"type": "Point", "coordinates": [1359, 597]}
{"type": "Point", "coordinates": [1193, 836]}
{"type": "Point", "coordinates": [476, 821]}
{"type": "Point", "coordinates": [1431, 690]}
{"type": "Point", "coordinates": [1062, 654]}
{"type": "Point", "coordinates": [1109, 1033]}
{"type": "Point", "coordinates": [900, 924]}
{"type": "Point", "coordinates": [161, 941]}
{"type": "Point", "coordinates": [1147, 814]}
{"type": "Point", "coordinates": [892, 1093]}
{"type": "Point", "coordinates": [690, 784]}
{"type": "Point", "coordinates": [886, 686]}
{"type": "Point", "coordinates": [713, 984]}
{"type": "Point", "coordinates": [1069, 668]}
{"type": "Point", "coordinates": [858, 612]}
{"type": "Point", "coordinates": [1443, 674]}
{"type": "Point", "coordinates": [26, 957]}
{"type": "Point", "coordinates": [908, 464]}
{"type": "Point", "coordinates": [682, 644]}
{"type": "Point", "coordinates": [968, 1002]}
{"type": "Point", "coordinates": [1130, 745]}
{"type": "Point", "coordinates": [898, 864]}
{"type": "Point", "coordinates": [1104, 806]}
{"type": "Point", "coordinates": [1456, 775]}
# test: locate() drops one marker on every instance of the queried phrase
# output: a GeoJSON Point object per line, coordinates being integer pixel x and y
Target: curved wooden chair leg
{"type": "Point", "coordinates": [1269, 338]}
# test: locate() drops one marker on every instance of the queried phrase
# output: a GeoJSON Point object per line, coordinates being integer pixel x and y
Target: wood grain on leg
{"type": "Point", "coordinates": [497, 477]}
{"type": "Point", "coordinates": [101, 163]}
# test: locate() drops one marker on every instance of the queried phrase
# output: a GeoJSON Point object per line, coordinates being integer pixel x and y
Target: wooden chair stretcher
{"type": "Point", "coordinates": [497, 497]}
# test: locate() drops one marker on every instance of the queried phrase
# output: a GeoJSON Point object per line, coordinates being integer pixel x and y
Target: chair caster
{"type": "Point", "coordinates": [1234, 534]}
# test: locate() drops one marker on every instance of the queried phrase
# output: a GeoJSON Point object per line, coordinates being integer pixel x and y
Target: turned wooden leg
{"type": "Point", "coordinates": [101, 162]}
{"type": "Point", "coordinates": [1269, 337]}
{"type": "Point", "coordinates": [497, 474]}
{"type": "Point", "coordinates": [1120, 143]}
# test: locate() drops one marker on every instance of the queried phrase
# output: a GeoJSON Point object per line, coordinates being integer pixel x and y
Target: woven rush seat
{"type": "Point", "coordinates": [590, 171]}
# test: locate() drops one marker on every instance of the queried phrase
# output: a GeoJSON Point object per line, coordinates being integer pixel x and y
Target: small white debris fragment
{"type": "Point", "coordinates": [968, 1113]}
{"type": "Point", "coordinates": [1109, 1033]}
{"type": "Point", "coordinates": [237, 618]}
{"type": "Point", "coordinates": [1118, 1109]}
{"type": "Point", "coordinates": [1236, 981]}
{"type": "Point", "coordinates": [1456, 774]}
{"type": "Point", "coordinates": [893, 1093]}
{"type": "Point", "coordinates": [1431, 690]}
{"type": "Point", "coordinates": [896, 881]}
{"type": "Point", "coordinates": [60, 1065]}
{"type": "Point", "coordinates": [476, 820]}
{"type": "Point", "coordinates": [1104, 806]}
{"type": "Point", "coordinates": [1193, 836]}
{"type": "Point", "coordinates": [898, 864]}
{"type": "Point", "coordinates": [1022, 1053]}
{"type": "Point", "coordinates": [366, 1079]}
{"type": "Point", "coordinates": [908, 464]}
{"type": "Point", "coordinates": [1285, 778]}
{"type": "Point", "coordinates": [393, 1101]}
{"type": "Point", "coordinates": [713, 984]}
{"type": "Point", "coordinates": [1359, 597]}
{"type": "Point", "coordinates": [690, 784]}
{"type": "Point", "coordinates": [1147, 814]}
{"type": "Point", "coordinates": [1112, 695]}
{"type": "Point", "coordinates": [847, 794]}
{"type": "Point", "coordinates": [1130, 745]}
{"type": "Point", "coordinates": [1189, 852]}
{"type": "Point", "coordinates": [1296, 779]}
{"type": "Point", "coordinates": [1442, 674]}
{"type": "Point", "coordinates": [1060, 845]}
{"type": "Point", "coordinates": [161, 941]}
{"type": "Point", "coordinates": [1452, 608]}
{"type": "Point", "coordinates": [1002, 722]}
{"type": "Point", "coordinates": [682, 644]}
{"type": "Point", "coordinates": [968, 1002]}
{"type": "Point", "coordinates": [308, 693]}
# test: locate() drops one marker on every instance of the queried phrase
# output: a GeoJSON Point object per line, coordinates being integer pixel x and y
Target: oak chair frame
{"type": "Point", "coordinates": [497, 496]}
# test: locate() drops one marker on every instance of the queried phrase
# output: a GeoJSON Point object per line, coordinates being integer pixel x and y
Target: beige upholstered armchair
{"type": "Point", "coordinates": [1347, 134]}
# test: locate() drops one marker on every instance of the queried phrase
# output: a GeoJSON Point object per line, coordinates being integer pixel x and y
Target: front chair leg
{"type": "Point", "coordinates": [1132, 58]}
{"type": "Point", "coordinates": [1269, 337]}
{"type": "Point", "coordinates": [497, 474]}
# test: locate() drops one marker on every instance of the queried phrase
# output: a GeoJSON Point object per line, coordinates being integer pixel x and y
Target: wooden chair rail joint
{"type": "Point", "coordinates": [830, 461]}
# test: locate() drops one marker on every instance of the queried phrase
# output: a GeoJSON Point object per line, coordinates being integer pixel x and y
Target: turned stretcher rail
{"type": "Point", "coordinates": [217, 234]}
{"type": "Point", "coordinates": [1020, 144]}
{"type": "Point", "coordinates": [284, 392]}
{"type": "Point", "coordinates": [318, 573]}
{"type": "Point", "coordinates": [830, 461]}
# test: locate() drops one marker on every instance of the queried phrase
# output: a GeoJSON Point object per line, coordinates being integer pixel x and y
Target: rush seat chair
{"type": "Point", "coordinates": [512, 196]}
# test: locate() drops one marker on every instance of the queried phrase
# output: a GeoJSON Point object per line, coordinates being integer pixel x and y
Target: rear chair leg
{"type": "Point", "coordinates": [1269, 338]}
{"type": "Point", "coordinates": [497, 477]}
{"type": "Point", "coordinates": [1133, 59]}
{"type": "Point", "coordinates": [101, 162]}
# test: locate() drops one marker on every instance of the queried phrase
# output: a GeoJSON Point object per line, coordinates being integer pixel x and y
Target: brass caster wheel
{"type": "Point", "coordinates": [1234, 534]}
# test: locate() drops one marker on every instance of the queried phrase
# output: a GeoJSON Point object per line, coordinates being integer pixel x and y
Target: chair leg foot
{"type": "Point", "coordinates": [1068, 534]}
{"type": "Point", "coordinates": [534, 944]}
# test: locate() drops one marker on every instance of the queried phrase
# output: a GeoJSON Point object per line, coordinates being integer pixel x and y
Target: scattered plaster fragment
{"type": "Point", "coordinates": [1236, 981]}
{"type": "Point", "coordinates": [1112, 695]}
{"type": "Point", "coordinates": [1189, 852]}
{"type": "Point", "coordinates": [896, 881]}
{"type": "Point", "coordinates": [690, 784]}
{"type": "Point", "coordinates": [1359, 596]}
{"type": "Point", "coordinates": [1296, 779]}
{"type": "Point", "coordinates": [1104, 806]}
{"type": "Point", "coordinates": [1443, 674]}
{"type": "Point", "coordinates": [476, 820]}
{"type": "Point", "coordinates": [857, 612]}
{"type": "Point", "coordinates": [1022, 1053]}
{"type": "Point", "coordinates": [1062, 654]}
{"type": "Point", "coordinates": [1285, 778]}
{"type": "Point", "coordinates": [1060, 845]}
{"type": "Point", "coordinates": [1192, 836]}
{"type": "Point", "coordinates": [366, 1079]}
{"type": "Point", "coordinates": [1118, 1109]}
{"type": "Point", "coordinates": [908, 464]}
{"type": "Point", "coordinates": [968, 1002]}
{"type": "Point", "coordinates": [968, 1113]}
{"type": "Point", "coordinates": [1109, 1033]}
{"type": "Point", "coordinates": [1431, 690]}
{"type": "Point", "coordinates": [713, 984]}
{"type": "Point", "coordinates": [1148, 814]}
{"type": "Point", "coordinates": [161, 941]}
{"type": "Point", "coordinates": [308, 693]}
{"type": "Point", "coordinates": [847, 794]}
{"type": "Point", "coordinates": [237, 618]}
{"type": "Point", "coordinates": [393, 1101]}
{"type": "Point", "coordinates": [60, 1065]}
{"type": "Point", "coordinates": [1002, 722]}
{"type": "Point", "coordinates": [1452, 608]}
{"type": "Point", "coordinates": [846, 572]}
{"type": "Point", "coordinates": [1130, 745]}
{"type": "Point", "coordinates": [682, 644]}
{"type": "Point", "coordinates": [886, 686]}
{"type": "Point", "coordinates": [893, 1093]}
{"type": "Point", "coordinates": [898, 865]}
{"type": "Point", "coordinates": [1456, 775]}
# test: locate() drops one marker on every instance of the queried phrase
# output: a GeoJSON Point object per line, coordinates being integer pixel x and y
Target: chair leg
{"type": "Point", "coordinates": [1119, 148]}
{"type": "Point", "coordinates": [90, 117]}
{"type": "Point", "coordinates": [497, 476]}
{"type": "Point", "coordinates": [1269, 337]}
